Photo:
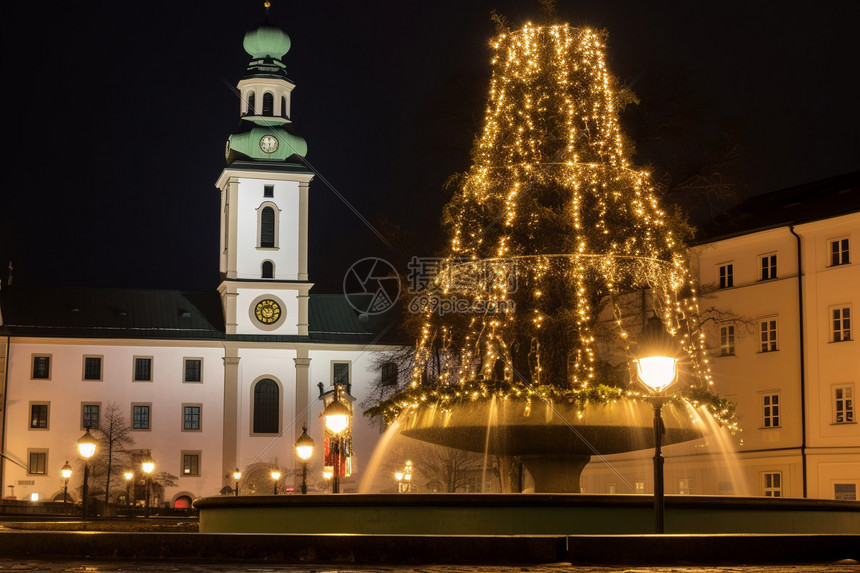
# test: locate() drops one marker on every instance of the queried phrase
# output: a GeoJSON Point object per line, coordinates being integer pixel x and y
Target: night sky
{"type": "Point", "coordinates": [117, 114]}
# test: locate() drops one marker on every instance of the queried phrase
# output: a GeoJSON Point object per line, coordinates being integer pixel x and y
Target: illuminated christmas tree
{"type": "Point", "coordinates": [559, 249]}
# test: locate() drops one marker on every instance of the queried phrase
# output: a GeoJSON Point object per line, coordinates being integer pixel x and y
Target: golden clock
{"type": "Point", "coordinates": [267, 311]}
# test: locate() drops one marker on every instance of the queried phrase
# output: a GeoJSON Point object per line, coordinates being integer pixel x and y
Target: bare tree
{"type": "Point", "coordinates": [114, 437]}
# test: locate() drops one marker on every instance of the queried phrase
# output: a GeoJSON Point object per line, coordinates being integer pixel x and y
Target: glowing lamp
{"type": "Point", "coordinates": [237, 474]}
{"type": "Point", "coordinates": [87, 445]}
{"type": "Point", "coordinates": [336, 417]}
{"type": "Point", "coordinates": [304, 446]}
{"type": "Point", "coordinates": [147, 464]}
{"type": "Point", "coordinates": [128, 475]}
{"type": "Point", "coordinates": [276, 475]}
{"type": "Point", "coordinates": [657, 372]}
{"type": "Point", "coordinates": [66, 471]}
{"type": "Point", "coordinates": [328, 472]}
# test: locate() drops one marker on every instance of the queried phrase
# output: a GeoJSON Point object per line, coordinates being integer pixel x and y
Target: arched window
{"type": "Point", "coordinates": [283, 106]}
{"type": "Point", "coordinates": [267, 227]}
{"type": "Point", "coordinates": [268, 270]}
{"type": "Point", "coordinates": [251, 103]}
{"type": "Point", "coordinates": [268, 104]}
{"type": "Point", "coordinates": [266, 407]}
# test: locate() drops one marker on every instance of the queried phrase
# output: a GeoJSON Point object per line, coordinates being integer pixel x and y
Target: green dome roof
{"type": "Point", "coordinates": [267, 41]}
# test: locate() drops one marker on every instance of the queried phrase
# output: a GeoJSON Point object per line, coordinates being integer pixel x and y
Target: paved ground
{"type": "Point", "coordinates": [82, 566]}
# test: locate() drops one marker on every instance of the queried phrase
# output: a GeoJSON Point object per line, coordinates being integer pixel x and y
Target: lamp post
{"type": "Point", "coordinates": [66, 472]}
{"type": "Point", "coordinates": [236, 475]}
{"type": "Point", "coordinates": [147, 464]}
{"type": "Point", "coordinates": [276, 475]}
{"type": "Point", "coordinates": [657, 373]}
{"type": "Point", "coordinates": [128, 475]}
{"type": "Point", "coordinates": [405, 474]}
{"type": "Point", "coordinates": [336, 420]}
{"type": "Point", "coordinates": [86, 447]}
{"type": "Point", "coordinates": [305, 449]}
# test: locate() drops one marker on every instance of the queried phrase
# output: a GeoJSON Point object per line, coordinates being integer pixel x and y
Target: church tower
{"type": "Point", "coordinates": [264, 201]}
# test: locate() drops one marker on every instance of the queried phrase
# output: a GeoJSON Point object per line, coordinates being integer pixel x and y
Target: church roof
{"type": "Point", "coordinates": [332, 319]}
{"type": "Point", "coordinates": [805, 203]}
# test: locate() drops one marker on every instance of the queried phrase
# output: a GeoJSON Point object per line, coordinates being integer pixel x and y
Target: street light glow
{"type": "Point", "coordinates": [657, 372]}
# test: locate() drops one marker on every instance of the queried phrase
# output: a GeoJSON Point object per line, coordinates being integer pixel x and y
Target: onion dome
{"type": "Point", "coordinates": [267, 41]}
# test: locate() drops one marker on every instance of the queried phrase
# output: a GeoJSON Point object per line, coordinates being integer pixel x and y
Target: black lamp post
{"type": "Point", "coordinates": [657, 373]}
{"type": "Point", "coordinates": [276, 475]}
{"type": "Point", "coordinates": [236, 475]}
{"type": "Point", "coordinates": [66, 472]}
{"type": "Point", "coordinates": [128, 475]}
{"type": "Point", "coordinates": [86, 447]}
{"type": "Point", "coordinates": [305, 449]}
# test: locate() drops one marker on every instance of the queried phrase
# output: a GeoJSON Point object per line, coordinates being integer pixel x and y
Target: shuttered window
{"type": "Point", "coordinates": [267, 227]}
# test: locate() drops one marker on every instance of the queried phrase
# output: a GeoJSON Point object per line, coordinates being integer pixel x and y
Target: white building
{"type": "Point", "coordinates": [781, 274]}
{"type": "Point", "coordinates": [211, 381]}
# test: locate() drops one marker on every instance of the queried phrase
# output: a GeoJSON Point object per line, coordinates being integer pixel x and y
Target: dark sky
{"type": "Point", "coordinates": [117, 113]}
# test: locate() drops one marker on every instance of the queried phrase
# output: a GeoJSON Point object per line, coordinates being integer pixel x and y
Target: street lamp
{"type": "Point", "coordinates": [336, 420]}
{"type": "Point", "coordinates": [276, 475]}
{"type": "Point", "coordinates": [657, 373]}
{"type": "Point", "coordinates": [405, 474]}
{"type": "Point", "coordinates": [147, 464]}
{"type": "Point", "coordinates": [86, 447]}
{"type": "Point", "coordinates": [236, 475]}
{"type": "Point", "coordinates": [66, 472]}
{"type": "Point", "coordinates": [305, 449]}
{"type": "Point", "coordinates": [128, 475]}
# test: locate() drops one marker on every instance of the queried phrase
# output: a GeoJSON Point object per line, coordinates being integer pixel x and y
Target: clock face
{"type": "Point", "coordinates": [267, 311]}
{"type": "Point", "coordinates": [269, 143]}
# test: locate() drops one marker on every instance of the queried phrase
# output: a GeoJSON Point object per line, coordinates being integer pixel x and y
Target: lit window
{"type": "Point", "coordinates": [193, 370]}
{"type": "Point", "coordinates": [841, 323]}
{"type": "Point", "coordinates": [727, 278]}
{"type": "Point", "coordinates": [839, 253]}
{"type": "Point", "coordinates": [685, 486]}
{"type": "Point", "coordinates": [190, 464]}
{"type": "Point", "coordinates": [143, 369]}
{"type": "Point", "coordinates": [42, 367]}
{"type": "Point", "coordinates": [90, 415]}
{"type": "Point", "coordinates": [770, 410]}
{"type": "Point", "coordinates": [639, 487]}
{"type": "Point", "coordinates": [768, 335]}
{"type": "Point", "coordinates": [768, 267]}
{"type": "Point", "coordinates": [140, 416]}
{"type": "Point", "coordinates": [38, 462]}
{"type": "Point", "coordinates": [39, 416]}
{"type": "Point", "coordinates": [772, 484]}
{"type": "Point", "coordinates": [727, 340]}
{"type": "Point", "coordinates": [843, 404]}
{"type": "Point", "coordinates": [191, 418]}
{"type": "Point", "coordinates": [92, 368]}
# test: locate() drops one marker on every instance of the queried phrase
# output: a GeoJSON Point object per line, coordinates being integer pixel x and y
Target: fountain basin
{"type": "Point", "coordinates": [553, 440]}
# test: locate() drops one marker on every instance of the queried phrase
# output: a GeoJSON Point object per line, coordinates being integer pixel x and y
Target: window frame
{"type": "Point", "coordinates": [839, 256]}
{"type": "Point", "coordinates": [848, 408]}
{"type": "Point", "coordinates": [190, 453]}
{"type": "Point", "coordinates": [263, 269]}
{"type": "Point", "coordinates": [134, 360]}
{"type": "Point", "coordinates": [47, 416]}
{"type": "Point", "coordinates": [771, 410]}
{"type": "Point", "coordinates": [37, 452]}
{"type": "Point", "coordinates": [33, 358]}
{"type": "Point", "coordinates": [771, 483]}
{"type": "Point", "coordinates": [837, 334]}
{"type": "Point", "coordinates": [726, 275]}
{"type": "Point", "coordinates": [769, 328]}
{"type": "Point", "coordinates": [268, 191]}
{"type": "Point", "coordinates": [276, 226]}
{"type": "Point", "coordinates": [768, 267]}
{"type": "Point", "coordinates": [199, 427]}
{"type": "Point", "coordinates": [185, 361]}
{"type": "Point", "coordinates": [148, 406]}
{"type": "Point", "coordinates": [279, 407]}
{"type": "Point", "coordinates": [101, 363]}
{"type": "Point", "coordinates": [84, 425]}
{"type": "Point", "coordinates": [348, 364]}
{"type": "Point", "coordinates": [727, 340]}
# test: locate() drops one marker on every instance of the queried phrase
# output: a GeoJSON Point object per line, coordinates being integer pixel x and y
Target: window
{"type": "Point", "coordinates": [389, 374]}
{"type": "Point", "coordinates": [143, 369]}
{"type": "Point", "coordinates": [267, 228]}
{"type": "Point", "coordinates": [770, 410]}
{"type": "Point", "coordinates": [266, 406]}
{"type": "Point", "coordinates": [90, 415]}
{"type": "Point", "coordinates": [727, 277]}
{"type": "Point", "coordinates": [727, 340]}
{"type": "Point", "coordinates": [839, 253]}
{"type": "Point", "coordinates": [268, 104]}
{"type": "Point", "coordinates": [639, 487]}
{"type": "Point", "coordinates": [37, 463]}
{"type": "Point", "coordinates": [140, 416]}
{"type": "Point", "coordinates": [193, 370]}
{"type": "Point", "coordinates": [42, 367]}
{"type": "Point", "coordinates": [251, 103]}
{"type": "Point", "coordinates": [268, 270]}
{"type": "Point", "coordinates": [190, 463]}
{"type": "Point", "coordinates": [841, 323]}
{"type": "Point", "coordinates": [685, 486]}
{"type": "Point", "coordinates": [768, 335]}
{"type": "Point", "coordinates": [191, 417]}
{"type": "Point", "coordinates": [283, 106]}
{"type": "Point", "coordinates": [772, 484]}
{"type": "Point", "coordinates": [340, 372]}
{"type": "Point", "coordinates": [39, 416]}
{"type": "Point", "coordinates": [768, 267]}
{"type": "Point", "coordinates": [845, 491]}
{"type": "Point", "coordinates": [843, 404]}
{"type": "Point", "coordinates": [92, 367]}
{"type": "Point", "coordinates": [268, 190]}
